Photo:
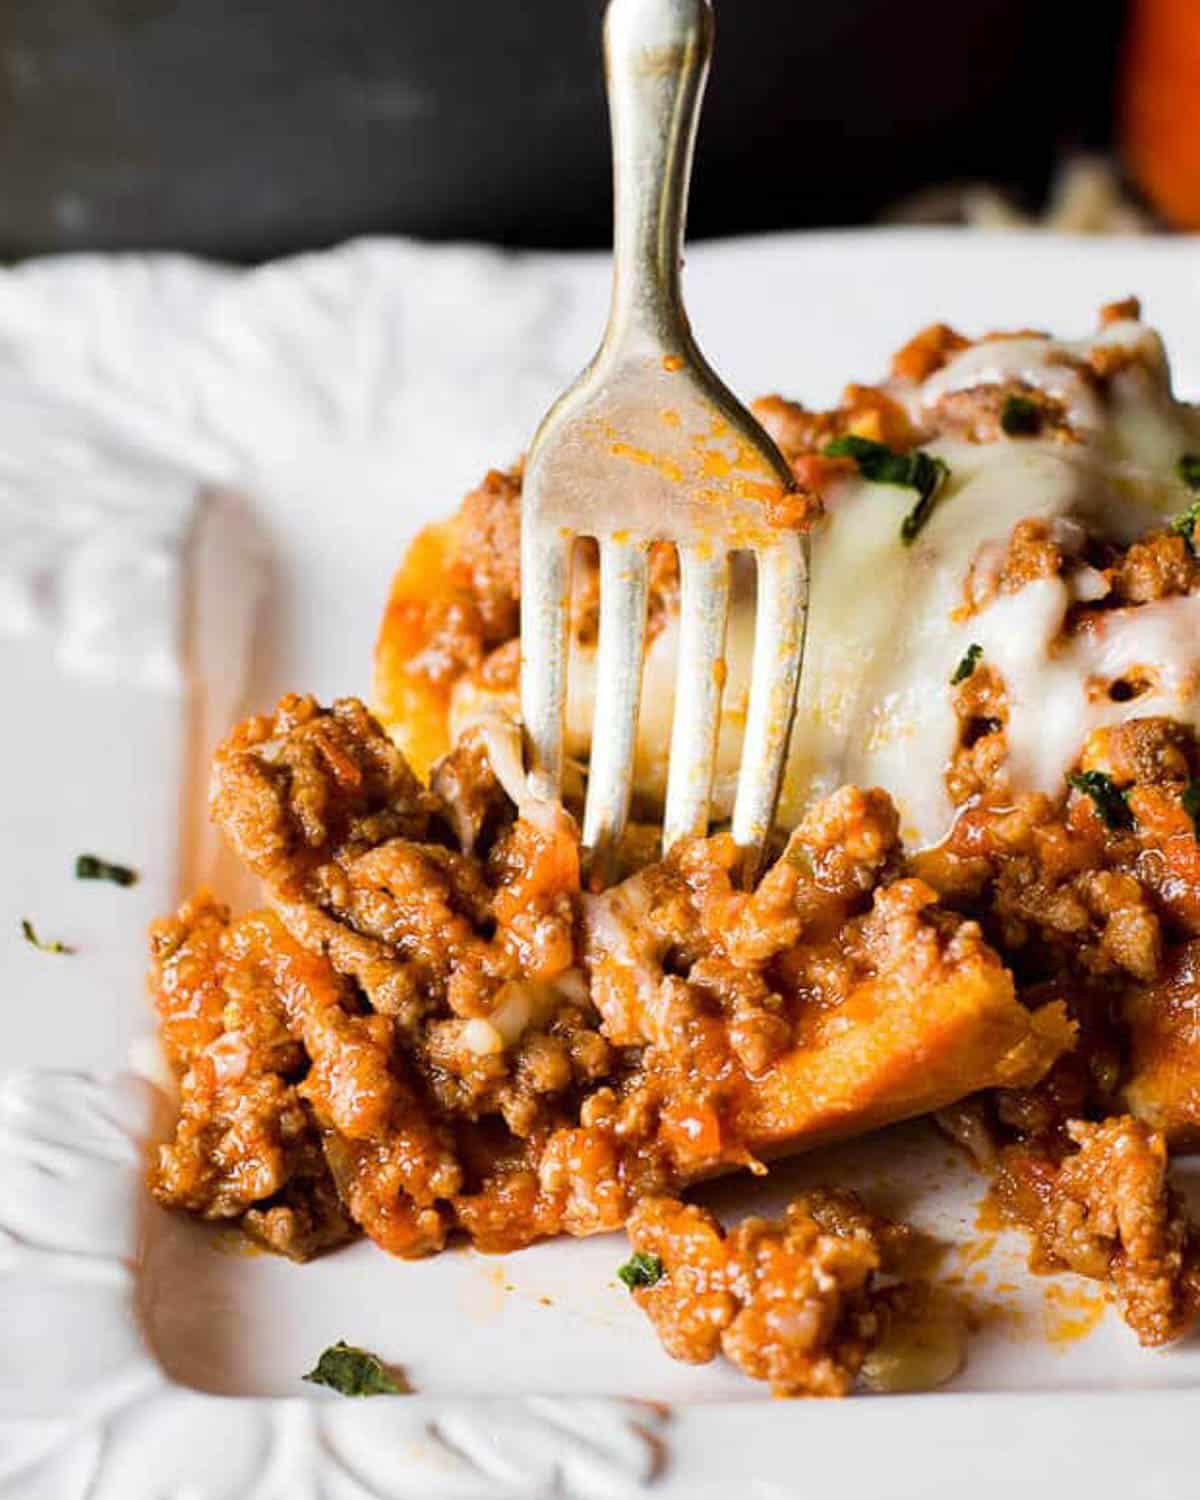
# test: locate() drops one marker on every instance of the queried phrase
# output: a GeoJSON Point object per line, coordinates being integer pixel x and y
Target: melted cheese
{"type": "Point", "coordinates": [1058, 689]}
{"type": "Point", "coordinates": [875, 703]}
{"type": "Point", "coordinates": [1037, 362]}
{"type": "Point", "coordinates": [885, 625]}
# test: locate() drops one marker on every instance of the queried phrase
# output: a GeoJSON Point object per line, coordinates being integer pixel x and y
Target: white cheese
{"type": "Point", "coordinates": [885, 628]}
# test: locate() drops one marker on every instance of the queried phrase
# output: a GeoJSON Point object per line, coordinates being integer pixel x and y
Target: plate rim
{"type": "Point", "coordinates": [106, 1443]}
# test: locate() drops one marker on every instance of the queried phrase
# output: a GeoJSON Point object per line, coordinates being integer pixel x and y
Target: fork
{"type": "Point", "coordinates": [649, 445]}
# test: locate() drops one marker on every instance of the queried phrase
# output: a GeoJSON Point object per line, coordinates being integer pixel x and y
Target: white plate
{"type": "Point", "coordinates": [179, 440]}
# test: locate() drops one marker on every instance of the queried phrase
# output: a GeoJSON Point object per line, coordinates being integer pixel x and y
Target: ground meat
{"type": "Point", "coordinates": [795, 1303]}
{"type": "Point", "coordinates": [475, 802]}
{"type": "Point", "coordinates": [435, 1029]}
{"type": "Point", "coordinates": [1106, 1211]}
{"type": "Point", "coordinates": [327, 811]}
{"type": "Point", "coordinates": [560, 1057]}
{"type": "Point", "coordinates": [802, 435]}
{"type": "Point", "coordinates": [1032, 553]}
{"type": "Point", "coordinates": [926, 352]}
{"type": "Point", "coordinates": [488, 564]}
{"type": "Point", "coordinates": [1037, 877]}
{"type": "Point", "coordinates": [306, 784]}
{"type": "Point", "coordinates": [1156, 567]}
{"type": "Point", "coordinates": [393, 938]}
{"type": "Point", "coordinates": [796, 430]}
{"type": "Point", "coordinates": [305, 1220]}
{"type": "Point", "coordinates": [871, 412]}
{"type": "Point", "coordinates": [1054, 886]}
{"type": "Point", "coordinates": [454, 642]}
{"type": "Point", "coordinates": [975, 415]}
{"type": "Point", "coordinates": [743, 1000]}
{"type": "Point", "coordinates": [689, 905]}
{"type": "Point", "coordinates": [246, 1143]}
{"type": "Point", "coordinates": [1153, 751]}
{"type": "Point", "coordinates": [1105, 361]}
{"type": "Point", "coordinates": [455, 607]}
{"type": "Point", "coordinates": [978, 764]}
{"type": "Point", "coordinates": [1084, 1082]}
{"type": "Point", "coordinates": [1128, 309]}
{"type": "Point", "coordinates": [237, 1142]}
{"type": "Point", "coordinates": [1153, 761]}
{"type": "Point", "coordinates": [187, 991]}
{"type": "Point", "coordinates": [1159, 566]}
{"type": "Point", "coordinates": [299, 1092]}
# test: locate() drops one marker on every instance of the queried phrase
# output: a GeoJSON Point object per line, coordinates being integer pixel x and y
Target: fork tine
{"type": "Point", "coordinates": [624, 574]}
{"type": "Point", "coordinates": [699, 684]}
{"type": "Point", "coordinates": [545, 585]}
{"type": "Point", "coordinates": [778, 646]}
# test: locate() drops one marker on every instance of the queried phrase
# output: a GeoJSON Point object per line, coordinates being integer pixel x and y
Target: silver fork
{"type": "Point", "coordinates": [648, 445]}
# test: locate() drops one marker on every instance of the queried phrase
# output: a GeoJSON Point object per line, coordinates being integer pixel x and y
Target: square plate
{"type": "Point", "coordinates": [208, 476]}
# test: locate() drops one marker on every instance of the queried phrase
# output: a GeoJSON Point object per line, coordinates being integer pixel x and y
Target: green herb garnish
{"type": "Point", "coordinates": [641, 1269]}
{"type": "Point", "coordinates": [1188, 469]}
{"type": "Point", "coordinates": [968, 664]}
{"type": "Point", "coordinates": [1185, 525]}
{"type": "Point", "coordinates": [1020, 417]}
{"type": "Point", "coordinates": [355, 1372]}
{"type": "Point", "coordinates": [92, 867]}
{"type": "Point", "coordinates": [917, 470]}
{"type": "Point", "coordinates": [51, 945]}
{"type": "Point", "coordinates": [1111, 803]}
{"type": "Point", "coordinates": [1191, 804]}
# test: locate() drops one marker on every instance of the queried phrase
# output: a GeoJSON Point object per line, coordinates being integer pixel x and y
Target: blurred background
{"type": "Point", "coordinates": [247, 128]}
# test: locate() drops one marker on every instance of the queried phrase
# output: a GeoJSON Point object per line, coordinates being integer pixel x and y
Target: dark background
{"type": "Point", "coordinates": [245, 128]}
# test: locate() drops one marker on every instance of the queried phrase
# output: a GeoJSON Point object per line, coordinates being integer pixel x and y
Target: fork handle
{"type": "Point", "coordinates": [657, 54]}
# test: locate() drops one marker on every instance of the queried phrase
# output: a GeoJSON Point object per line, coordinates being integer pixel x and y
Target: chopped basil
{"type": "Point", "coordinates": [48, 945]}
{"type": "Point", "coordinates": [1191, 804]}
{"type": "Point", "coordinates": [1020, 417]}
{"type": "Point", "coordinates": [968, 664]}
{"type": "Point", "coordinates": [916, 470]}
{"type": "Point", "coordinates": [355, 1372]}
{"type": "Point", "coordinates": [1185, 525]}
{"type": "Point", "coordinates": [641, 1269]}
{"type": "Point", "coordinates": [92, 867]}
{"type": "Point", "coordinates": [930, 483]}
{"type": "Point", "coordinates": [876, 461]}
{"type": "Point", "coordinates": [1188, 469]}
{"type": "Point", "coordinates": [1111, 804]}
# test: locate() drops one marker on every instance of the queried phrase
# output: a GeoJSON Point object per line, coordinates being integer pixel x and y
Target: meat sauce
{"type": "Point", "coordinates": [430, 1030]}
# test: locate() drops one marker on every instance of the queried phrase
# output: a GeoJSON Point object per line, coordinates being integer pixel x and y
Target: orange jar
{"type": "Point", "coordinates": [1160, 106]}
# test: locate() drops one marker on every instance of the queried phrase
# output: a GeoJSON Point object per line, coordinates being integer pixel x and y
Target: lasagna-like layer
{"type": "Point", "coordinates": [431, 1028]}
{"type": "Point", "coordinates": [984, 901]}
{"type": "Point", "coordinates": [1059, 460]}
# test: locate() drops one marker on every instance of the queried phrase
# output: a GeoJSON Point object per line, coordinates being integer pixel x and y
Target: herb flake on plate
{"type": "Point", "coordinates": [1110, 802]}
{"type": "Point", "coordinates": [1020, 417]}
{"type": "Point", "coordinates": [1184, 525]}
{"type": "Point", "coordinates": [641, 1269]}
{"type": "Point", "coordinates": [355, 1372]}
{"type": "Point", "coordinates": [1188, 469]}
{"type": "Point", "coordinates": [43, 945]}
{"type": "Point", "coordinates": [92, 867]}
{"type": "Point", "coordinates": [968, 664]}
{"type": "Point", "coordinates": [916, 470]}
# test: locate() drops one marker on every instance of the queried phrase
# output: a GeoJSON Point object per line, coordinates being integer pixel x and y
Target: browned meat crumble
{"type": "Point", "coordinates": [430, 1030]}
{"type": "Point", "coordinates": [1104, 1210]}
{"type": "Point", "coordinates": [798, 1304]}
